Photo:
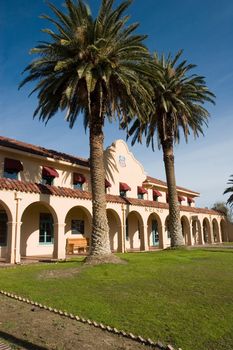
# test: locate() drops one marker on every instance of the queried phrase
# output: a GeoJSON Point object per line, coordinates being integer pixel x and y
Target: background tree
{"type": "Point", "coordinates": [178, 100]}
{"type": "Point", "coordinates": [94, 67]}
{"type": "Point", "coordinates": [223, 209]}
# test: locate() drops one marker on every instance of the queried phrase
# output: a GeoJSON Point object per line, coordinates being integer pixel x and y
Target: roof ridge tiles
{"type": "Point", "coordinates": [44, 152]}
{"type": "Point", "coordinates": [21, 186]}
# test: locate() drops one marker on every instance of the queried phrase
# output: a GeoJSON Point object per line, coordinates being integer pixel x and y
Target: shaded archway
{"type": "Point", "coordinates": [196, 231]}
{"type": "Point", "coordinates": [5, 239]}
{"type": "Point", "coordinates": [215, 227]}
{"type": "Point", "coordinates": [206, 231]}
{"type": "Point", "coordinates": [133, 233]}
{"type": "Point", "coordinates": [37, 230]}
{"type": "Point", "coordinates": [78, 222]}
{"type": "Point", "coordinates": [154, 227]}
{"type": "Point", "coordinates": [224, 233]}
{"type": "Point", "coordinates": [114, 224]}
{"type": "Point", "coordinates": [186, 230]}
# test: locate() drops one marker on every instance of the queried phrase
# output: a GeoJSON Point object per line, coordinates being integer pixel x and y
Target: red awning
{"type": "Point", "coordinates": [142, 190]}
{"type": "Point", "coordinates": [181, 198]}
{"type": "Point", "coordinates": [124, 187]}
{"type": "Point", "coordinates": [78, 178]}
{"type": "Point", "coordinates": [190, 200]}
{"type": "Point", "coordinates": [107, 184]}
{"type": "Point", "coordinates": [12, 165]}
{"type": "Point", "coordinates": [47, 171]}
{"type": "Point", "coordinates": [156, 193]}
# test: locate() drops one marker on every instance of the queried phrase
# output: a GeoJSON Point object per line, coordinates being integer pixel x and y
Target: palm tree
{"type": "Point", "coordinates": [91, 66]}
{"type": "Point", "coordinates": [230, 190]}
{"type": "Point", "coordinates": [178, 100]}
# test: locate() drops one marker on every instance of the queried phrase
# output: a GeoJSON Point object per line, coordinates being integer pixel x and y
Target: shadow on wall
{"type": "Point", "coordinates": [110, 164]}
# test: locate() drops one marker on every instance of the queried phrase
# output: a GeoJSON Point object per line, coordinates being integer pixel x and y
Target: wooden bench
{"type": "Point", "coordinates": [77, 245]}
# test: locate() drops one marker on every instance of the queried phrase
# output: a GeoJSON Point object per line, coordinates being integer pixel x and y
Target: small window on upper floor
{"type": "Point", "coordinates": [48, 175]}
{"type": "Point", "coordinates": [78, 181]}
{"type": "Point", "coordinates": [156, 195]}
{"type": "Point", "coordinates": [180, 199]}
{"type": "Point", "coordinates": [12, 167]}
{"type": "Point", "coordinates": [141, 192]}
{"type": "Point", "coordinates": [124, 188]}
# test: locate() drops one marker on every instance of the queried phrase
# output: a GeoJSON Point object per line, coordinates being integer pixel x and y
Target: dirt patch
{"type": "Point", "coordinates": [61, 273]}
{"type": "Point", "coordinates": [27, 327]}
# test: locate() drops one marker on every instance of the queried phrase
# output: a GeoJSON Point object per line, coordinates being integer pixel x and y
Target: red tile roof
{"type": "Point", "coordinates": [40, 151]}
{"type": "Point", "coordinates": [163, 183]}
{"type": "Point", "coordinates": [15, 185]}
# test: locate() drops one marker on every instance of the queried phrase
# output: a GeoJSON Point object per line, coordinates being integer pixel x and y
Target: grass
{"type": "Point", "coordinates": [180, 297]}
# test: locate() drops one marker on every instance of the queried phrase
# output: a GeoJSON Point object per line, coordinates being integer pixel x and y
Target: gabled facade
{"type": "Point", "coordinates": [45, 198]}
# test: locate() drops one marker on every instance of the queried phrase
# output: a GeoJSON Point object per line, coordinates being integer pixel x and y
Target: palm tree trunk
{"type": "Point", "coordinates": [174, 211]}
{"type": "Point", "coordinates": [100, 244]}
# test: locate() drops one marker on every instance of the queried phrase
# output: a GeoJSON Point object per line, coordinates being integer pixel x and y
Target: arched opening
{"type": "Point", "coordinates": [37, 230]}
{"type": "Point", "coordinates": [206, 231]}
{"type": "Point", "coordinates": [5, 217]}
{"type": "Point", "coordinates": [215, 231]}
{"type": "Point", "coordinates": [155, 237]}
{"type": "Point", "coordinates": [223, 226]}
{"type": "Point", "coordinates": [196, 231]}
{"type": "Point", "coordinates": [186, 230]}
{"type": "Point", "coordinates": [114, 224]}
{"type": "Point", "coordinates": [78, 222]}
{"type": "Point", "coordinates": [133, 232]}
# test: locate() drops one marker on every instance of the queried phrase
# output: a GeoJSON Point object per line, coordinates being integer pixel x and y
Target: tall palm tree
{"type": "Point", "coordinates": [178, 100]}
{"type": "Point", "coordinates": [230, 190]}
{"type": "Point", "coordinates": [91, 66]}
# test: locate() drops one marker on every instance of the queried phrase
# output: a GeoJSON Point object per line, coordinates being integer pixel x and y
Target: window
{"type": "Point", "coordinates": [78, 186]}
{"type": "Point", "coordinates": [78, 181]}
{"type": "Point", "coordinates": [48, 175]}
{"type": "Point", "coordinates": [11, 168]}
{"type": "Point", "coordinates": [156, 195]}
{"type": "Point", "coordinates": [3, 228]}
{"type": "Point", "coordinates": [11, 175]}
{"type": "Point", "coordinates": [46, 228]}
{"type": "Point", "coordinates": [127, 230]}
{"type": "Point", "coordinates": [155, 198]}
{"type": "Point", "coordinates": [47, 180]}
{"type": "Point", "coordinates": [123, 193]}
{"type": "Point", "coordinates": [77, 227]}
{"type": "Point", "coordinates": [123, 188]}
{"type": "Point", "coordinates": [141, 192]}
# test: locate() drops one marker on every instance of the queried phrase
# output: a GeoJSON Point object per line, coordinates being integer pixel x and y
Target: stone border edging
{"type": "Point", "coordinates": [109, 329]}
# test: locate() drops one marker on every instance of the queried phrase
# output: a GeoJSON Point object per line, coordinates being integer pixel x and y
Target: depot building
{"type": "Point", "coordinates": [45, 199]}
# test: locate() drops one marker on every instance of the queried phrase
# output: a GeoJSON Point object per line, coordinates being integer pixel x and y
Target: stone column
{"type": "Point", "coordinates": [17, 242]}
{"type": "Point", "coordinates": [10, 258]}
{"type": "Point", "coordinates": [59, 241]}
{"type": "Point", "coordinates": [211, 234]}
{"type": "Point", "coordinates": [144, 237]}
{"type": "Point", "coordinates": [121, 238]}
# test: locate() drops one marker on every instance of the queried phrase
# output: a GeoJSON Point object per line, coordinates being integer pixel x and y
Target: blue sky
{"type": "Point", "coordinates": [203, 29]}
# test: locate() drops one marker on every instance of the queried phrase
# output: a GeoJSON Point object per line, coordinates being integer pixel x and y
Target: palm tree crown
{"type": "Point", "coordinates": [230, 190]}
{"type": "Point", "coordinates": [90, 64]}
{"type": "Point", "coordinates": [177, 103]}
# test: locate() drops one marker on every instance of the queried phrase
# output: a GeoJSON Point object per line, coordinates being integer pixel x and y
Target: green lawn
{"type": "Point", "coordinates": [180, 297]}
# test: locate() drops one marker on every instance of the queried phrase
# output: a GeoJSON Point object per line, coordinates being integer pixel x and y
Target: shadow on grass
{"type": "Point", "coordinates": [217, 250]}
{"type": "Point", "coordinates": [20, 342]}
